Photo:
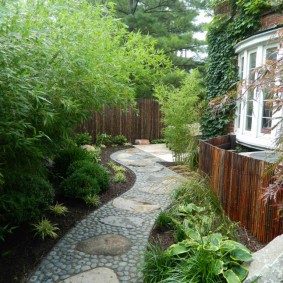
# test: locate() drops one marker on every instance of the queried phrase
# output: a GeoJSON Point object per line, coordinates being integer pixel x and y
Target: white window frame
{"type": "Point", "coordinates": [255, 138]}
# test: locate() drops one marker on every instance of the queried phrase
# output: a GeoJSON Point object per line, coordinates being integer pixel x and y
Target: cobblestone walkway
{"type": "Point", "coordinates": [108, 245]}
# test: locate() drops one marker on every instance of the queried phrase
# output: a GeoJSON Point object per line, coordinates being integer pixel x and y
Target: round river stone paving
{"type": "Point", "coordinates": [126, 222]}
{"type": "Point", "coordinates": [97, 275]}
{"type": "Point", "coordinates": [138, 163]}
{"type": "Point", "coordinates": [135, 204]}
{"type": "Point", "coordinates": [105, 245]}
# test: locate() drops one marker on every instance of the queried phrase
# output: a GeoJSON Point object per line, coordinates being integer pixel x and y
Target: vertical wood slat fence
{"type": "Point", "coordinates": [238, 181]}
{"type": "Point", "coordinates": [142, 123]}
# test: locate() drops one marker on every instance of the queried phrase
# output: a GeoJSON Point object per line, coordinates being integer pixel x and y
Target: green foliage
{"type": "Point", "coordinates": [79, 185]}
{"type": "Point", "coordinates": [116, 168]}
{"type": "Point", "coordinates": [25, 199]}
{"type": "Point", "coordinates": [60, 60]}
{"type": "Point", "coordinates": [104, 139]}
{"type": "Point", "coordinates": [157, 141]}
{"type": "Point", "coordinates": [169, 22]}
{"type": "Point", "coordinates": [201, 253]}
{"type": "Point", "coordinates": [58, 209]}
{"type": "Point", "coordinates": [92, 200]}
{"type": "Point", "coordinates": [119, 177]}
{"type": "Point", "coordinates": [156, 265]}
{"type": "Point", "coordinates": [180, 108]}
{"type": "Point", "coordinates": [119, 139]}
{"type": "Point", "coordinates": [4, 230]}
{"type": "Point", "coordinates": [65, 157]}
{"type": "Point", "coordinates": [164, 219]}
{"type": "Point", "coordinates": [45, 228]}
{"type": "Point", "coordinates": [93, 170]}
{"type": "Point", "coordinates": [82, 139]}
{"type": "Point", "coordinates": [210, 258]}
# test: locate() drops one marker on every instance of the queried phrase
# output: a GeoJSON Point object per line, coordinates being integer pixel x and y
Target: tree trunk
{"type": "Point", "coordinates": [132, 9]}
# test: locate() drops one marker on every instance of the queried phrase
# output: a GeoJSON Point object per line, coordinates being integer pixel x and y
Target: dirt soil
{"type": "Point", "coordinates": [22, 252]}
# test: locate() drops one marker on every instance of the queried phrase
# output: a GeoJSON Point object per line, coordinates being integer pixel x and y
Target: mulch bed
{"type": "Point", "coordinates": [22, 252]}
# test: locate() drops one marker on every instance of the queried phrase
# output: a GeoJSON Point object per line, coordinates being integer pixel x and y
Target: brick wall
{"type": "Point", "coordinates": [271, 20]}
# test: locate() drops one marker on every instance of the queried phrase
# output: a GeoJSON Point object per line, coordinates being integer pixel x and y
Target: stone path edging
{"type": "Point", "coordinates": [128, 218]}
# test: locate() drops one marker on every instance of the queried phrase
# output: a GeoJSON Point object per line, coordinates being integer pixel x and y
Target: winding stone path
{"type": "Point", "coordinates": [108, 245]}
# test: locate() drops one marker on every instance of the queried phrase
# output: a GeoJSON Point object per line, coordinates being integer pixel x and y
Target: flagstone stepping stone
{"type": "Point", "coordinates": [149, 169]}
{"type": "Point", "coordinates": [126, 222]}
{"type": "Point", "coordinates": [104, 245]}
{"type": "Point", "coordinates": [97, 275]}
{"type": "Point", "coordinates": [157, 190]}
{"type": "Point", "coordinates": [124, 156]}
{"type": "Point", "coordinates": [135, 204]}
{"type": "Point", "coordinates": [155, 178]}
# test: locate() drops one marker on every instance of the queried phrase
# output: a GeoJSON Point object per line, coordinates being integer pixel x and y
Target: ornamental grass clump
{"type": "Point", "coordinates": [45, 228]}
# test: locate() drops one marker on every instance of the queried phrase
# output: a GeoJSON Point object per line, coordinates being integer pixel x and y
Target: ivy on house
{"type": "Point", "coordinates": [225, 31]}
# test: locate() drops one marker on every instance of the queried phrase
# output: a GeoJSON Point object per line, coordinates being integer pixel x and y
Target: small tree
{"type": "Point", "coordinates": [180, 108]}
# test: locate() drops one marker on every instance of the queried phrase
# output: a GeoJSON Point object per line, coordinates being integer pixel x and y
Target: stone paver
{"type": "Point", "coordinates": [97, 275]}
{"type": "Point", "coordinates": [104, 245]}
{"type": "Point", "coordinates": [125, 224]}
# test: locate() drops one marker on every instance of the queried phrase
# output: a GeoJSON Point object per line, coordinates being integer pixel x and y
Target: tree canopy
{"type": "Point", "coordinates": [169, 22]}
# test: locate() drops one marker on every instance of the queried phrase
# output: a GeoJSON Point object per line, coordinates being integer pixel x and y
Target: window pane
{"type": "Point", "coordinates": [248, 123]}
{"type": "Point", "coordinates": [267, 109]}
{"type": "Point", "coordinates": [271, 53]}
{"type": "Point", "coordinates": [266, 123]}
{"type": "Point", "coordinates": [252, 65]}
{"type": "Point", "coordinates": [249, 108]}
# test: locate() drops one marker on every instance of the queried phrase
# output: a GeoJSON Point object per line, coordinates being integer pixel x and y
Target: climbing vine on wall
{"type": "Point", "coordinates": [222, 73]}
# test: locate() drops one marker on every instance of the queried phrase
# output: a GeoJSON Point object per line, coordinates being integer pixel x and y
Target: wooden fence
{"type": "Point", "coordinates": [144, 122]}
{"type": "Point", "coordinates": [238, 181]}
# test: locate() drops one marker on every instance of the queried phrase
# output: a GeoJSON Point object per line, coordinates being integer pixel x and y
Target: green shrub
{"type": "Point", "coordinates": [79, 185]}
{"type": "Point", "coordinates": [104, 139]}
{"type": "Point", "coordinates": [94, 152]}
{"type": "Point", "coordinates": [67, 156]}
{"type": "Point", "coordinates": [45, 228]}
{"type": "Point", "coordinates": [119, 139]}
{"type": "Point", "coordinates": [93, 170]}
{"type": "Point", "coordinates": [83, 138]}
{"type": "Point", "coordinates": [26, 199]}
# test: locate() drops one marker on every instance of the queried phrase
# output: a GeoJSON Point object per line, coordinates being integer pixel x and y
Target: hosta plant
{"type": "Point", "coordinates": [211, 258]}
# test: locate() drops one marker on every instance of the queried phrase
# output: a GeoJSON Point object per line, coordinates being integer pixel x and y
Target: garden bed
{"type": "Point", "coordinates": [22, 252]}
